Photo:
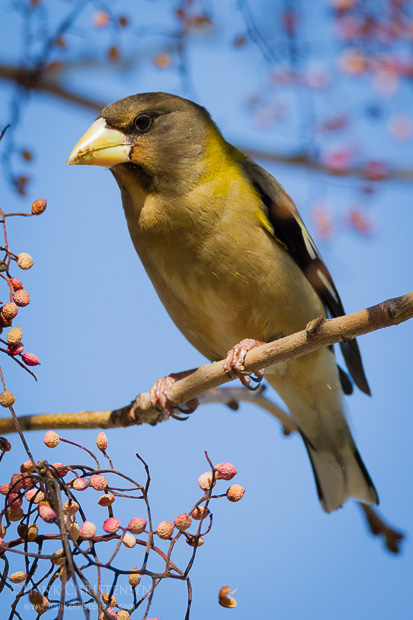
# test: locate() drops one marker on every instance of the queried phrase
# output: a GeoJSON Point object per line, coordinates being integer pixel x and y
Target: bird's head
{"type": "Point", "coordinates": [163, 135]}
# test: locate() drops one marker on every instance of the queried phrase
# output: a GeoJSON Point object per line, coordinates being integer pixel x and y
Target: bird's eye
{"type": "Point", "coordinates": [143, 122]}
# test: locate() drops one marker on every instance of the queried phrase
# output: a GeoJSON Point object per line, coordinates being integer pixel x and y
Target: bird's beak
{"type": "Point", "coordinates": [101, 146]}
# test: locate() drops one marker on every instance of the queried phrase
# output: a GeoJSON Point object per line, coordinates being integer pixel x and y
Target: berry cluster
{"type": "Point", "coordinates": [18, 298]}
{"type": "Point", "coordinates": [48, 504]}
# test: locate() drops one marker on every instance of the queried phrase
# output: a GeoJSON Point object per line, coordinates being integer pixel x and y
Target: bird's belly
{"type": "Point", "coordinates": [216, 308]}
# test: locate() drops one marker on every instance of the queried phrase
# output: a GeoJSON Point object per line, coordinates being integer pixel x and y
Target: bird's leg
{"type": "Point", "coordinates": [161, 397]}
{"type": "Point", "coordinates": [235, 360]}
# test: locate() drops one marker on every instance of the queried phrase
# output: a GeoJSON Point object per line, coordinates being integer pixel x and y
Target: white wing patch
{"type": "Point", "coordinates": [309, 245]}
{"type": "Point", "coordinates": [327, 285]}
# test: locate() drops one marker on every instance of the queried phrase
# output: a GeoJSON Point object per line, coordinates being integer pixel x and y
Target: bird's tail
{"type": "Point", "coordinates": [340, 476]}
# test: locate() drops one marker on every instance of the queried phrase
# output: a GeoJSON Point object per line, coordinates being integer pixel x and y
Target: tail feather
{"type": "Point", "coordinates": [339, 477]}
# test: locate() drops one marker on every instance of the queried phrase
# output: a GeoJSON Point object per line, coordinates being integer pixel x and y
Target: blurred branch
{"type": "Point", "coordinates": [47, 82]}
{"type": "Point", "coordinates": [318, 333]}
{"type": "Point", "coordinates": [33, 79]}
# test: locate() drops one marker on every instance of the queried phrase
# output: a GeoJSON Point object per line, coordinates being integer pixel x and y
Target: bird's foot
{"type": "Point", "coordinates": [161, 397]}
{"type": "Point", "coordinates": [235, 360]}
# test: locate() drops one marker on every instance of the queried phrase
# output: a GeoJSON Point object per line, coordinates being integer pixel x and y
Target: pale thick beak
{"type": "Point", "coordinates": [101, 146]}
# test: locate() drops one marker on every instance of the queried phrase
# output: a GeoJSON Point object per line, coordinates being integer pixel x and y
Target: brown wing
{"type": "Point", "coordinates": [288, 229]}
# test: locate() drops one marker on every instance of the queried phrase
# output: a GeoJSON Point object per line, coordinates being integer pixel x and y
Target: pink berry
{"type": "Point", "coordinates": [111, 525]}
{"type": "Point", "coordinates": [15, 349]}
{"type": "Point", "coordinates": [51, 439]}
{"type": "Point", "coordinates": [30, 359]}
{"type": "Point", "coordinates": [88, 530]}
{"type": "Point", "coordinates": [80, 484]}
{"type": "Point", "coordinates": [61, 469]}
{"type": "Point", "coordinates": [5, 445]}
{"type": "Point", "coordinates": [17, 482]}
{"type": "Point", "coordinates": [16, 284]}
{"type": "Point", "coordinates": [34, 495]}
{"type": "Point", "coordinates": [5, 488]}
{"type": "Point", "coordinates": [225, 471]}
{"type": "Point", "coordinates": [182, 522]}
{"type": "Point", "coordinates": [98, 482]}
{"type": "Point", "coordinates": [21, 298]}
{"type": "Point", "coordinates": [102, 441]}
{"type": "Point", "coordinates": [136, 525]}
{"type": "Point", "coordinates": [200, 513]}
{"type": "Point", "coordinates": [47, 513]}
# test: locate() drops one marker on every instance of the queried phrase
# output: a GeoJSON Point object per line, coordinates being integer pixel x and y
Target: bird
{"type": "Point", "coordinates": [233, 264]}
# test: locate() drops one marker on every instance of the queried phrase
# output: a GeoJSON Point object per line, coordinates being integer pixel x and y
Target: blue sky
{"type": "Point", "coordinates": [103, 336]}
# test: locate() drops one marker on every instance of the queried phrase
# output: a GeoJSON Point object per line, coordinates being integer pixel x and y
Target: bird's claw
{"type": "Point", "coordinates": [234, 364]}
{"type": "Point", "coordinates": [161, 397]}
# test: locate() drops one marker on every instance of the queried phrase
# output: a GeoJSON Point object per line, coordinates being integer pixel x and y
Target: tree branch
{"type": "Point", "coordinates": [47, 82]}
{"type": "Point", "coordinates": [318, 333]}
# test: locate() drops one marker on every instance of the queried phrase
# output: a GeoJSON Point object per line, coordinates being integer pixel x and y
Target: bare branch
{"type": "Point", "coordinates": [318, 334]}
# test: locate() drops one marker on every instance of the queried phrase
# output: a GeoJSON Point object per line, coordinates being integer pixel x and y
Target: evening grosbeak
{"type": "Point", "coordinates": [231, 259]}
